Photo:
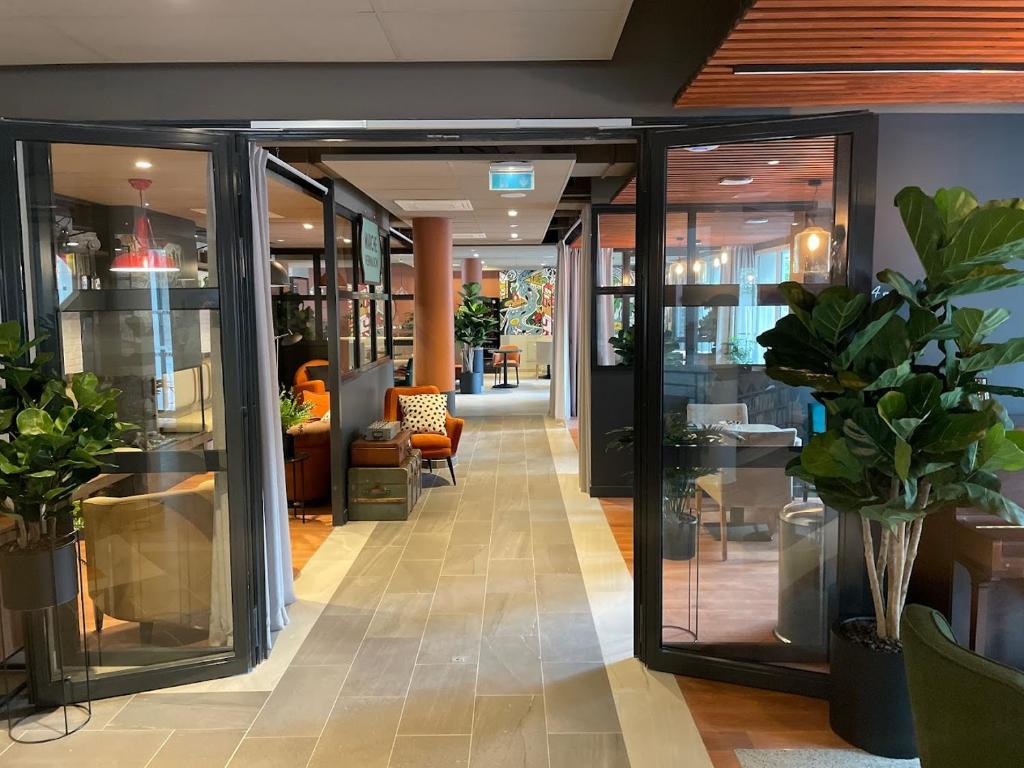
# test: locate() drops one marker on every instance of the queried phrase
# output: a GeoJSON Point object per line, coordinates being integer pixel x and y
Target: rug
{"type": "Point", "coordinates": [817, 758]}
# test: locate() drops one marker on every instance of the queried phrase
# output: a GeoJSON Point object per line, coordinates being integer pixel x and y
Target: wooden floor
{"type": "Point", "coordinates": [732, 717]}
{"type": "Point", "coordinates": [308, 536]}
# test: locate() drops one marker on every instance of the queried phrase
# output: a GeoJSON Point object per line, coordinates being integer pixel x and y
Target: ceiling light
{"type": "Point", "coordinates": [774, 162]}
{"type": "Point", "coordinates": [143, 165]}
{"type": "Point", "coordinates": [513, 195]}
{"type": "Point", "coordinates": [723, 257]}
{"type": "Point", "coordinates": [346, 240]}
{"type": "Point", "coordinates": [307, 225]}
{"type": "Point", "coordinates": [717, 262]}
{"type": "Point", "coordinates": [702, 148]}
{"type": "Point", "coordinates": [469, 235]}
{"type": "Point", "coordinates": [281, 240]}
{"type": "Point", "coordinates": [513, 212]}
{"type": "Point", "coordinates": [513, 226]}
{"type": "Point", "coordinates": [679, 268]}
{"type": "Point", "coordinates": [735, 181]}
{"type": "Point", "coordinates": [514, 235]}
{"type": "Point", "coordinates": [757, 221]}
{"type": "Point", "coordinates": [796, 223]}
{"type": "Point", "coordinates": [698, 266]}
{"type": "Point", "coordinates": [880, 68]}
{"type": "Point", "coordinates": [72, 243]}
{"type": "Point", "coordinates": [424, 206]}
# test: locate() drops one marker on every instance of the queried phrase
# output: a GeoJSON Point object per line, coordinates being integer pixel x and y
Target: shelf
{"type": "Point", "coordinates": [141, 299]}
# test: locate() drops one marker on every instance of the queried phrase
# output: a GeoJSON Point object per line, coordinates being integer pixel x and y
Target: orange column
{"type": "Point", "coordinates": [472, 271]}
{"type": "Point", "coordinates": [434, 336]}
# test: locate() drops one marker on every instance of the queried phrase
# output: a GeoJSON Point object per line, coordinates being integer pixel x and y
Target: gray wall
{"type": "Point", "coordinates": [980, 152]}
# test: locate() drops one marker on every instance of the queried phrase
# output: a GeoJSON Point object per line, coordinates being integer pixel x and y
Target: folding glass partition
{"type": "Point", "coordinates": [128, 261]}
{"type": "Point", "coordinates": [742, 569]}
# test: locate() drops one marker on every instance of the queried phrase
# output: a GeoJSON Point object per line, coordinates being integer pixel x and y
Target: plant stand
{"type": "Point", "coordinates": [692, 590]}
{"type": "Point", "coordinates": [16, 729]}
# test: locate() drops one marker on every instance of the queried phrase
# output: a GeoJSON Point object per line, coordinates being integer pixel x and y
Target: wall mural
{"type": "Point", "coordinates": [527, 301]}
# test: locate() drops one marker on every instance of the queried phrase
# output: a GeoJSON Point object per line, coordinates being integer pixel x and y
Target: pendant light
{"type": "Point", "coordinates": [812, 246]}
{"type": "Point", "coordinates": [143, 255]}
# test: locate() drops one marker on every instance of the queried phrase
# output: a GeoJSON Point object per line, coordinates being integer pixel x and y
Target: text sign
{"type": "Point", "coordinates": [511, 181]}
{"type": "Point", "coordinates": [370, 256]}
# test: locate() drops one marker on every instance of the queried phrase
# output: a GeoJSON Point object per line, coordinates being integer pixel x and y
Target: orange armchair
{"type": "Point", "coordinates": [303, 383]}
{"type": "Point", "coordinates": [432, 446]}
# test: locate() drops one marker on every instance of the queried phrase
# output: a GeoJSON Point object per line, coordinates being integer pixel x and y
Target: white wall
{"type": "Point", "coordinates": [984, 153]}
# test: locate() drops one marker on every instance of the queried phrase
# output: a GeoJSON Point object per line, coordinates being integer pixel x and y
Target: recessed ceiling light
{"type": "Point", "coordinates": [72, 244]}
{"type": "Point", "coordinates": [514, 235]}
{"type": "Point", "coordinates": [513, 212]}
{"type": "Point", "coordinates": [702, 148]}
{"type": "Point", "coordinates": [281, 240]}
{"type": "Point", "coordinates": [513, 195]}
{"type": "Point", "coordinates": [145, 205]}
{"type": "Point", "coordinates": [346, 240]}
{"type": "Point", "coordinates": [513, 226]}
{"type": "Point", "coordinates": [735, 181]}
{"type": "Point", "coordinates": [307, 225]}
{"type": "Point", "coordinates": [143, 165]}
{"type": "Point", "coordinates": [757, 221]}
{"type": "Point", "coordinates": [434, 205]}
{"type": "Point", "coordinates": [774, 162]}
{"type": "Point", "coordinates": [795, 224]}
{"type": "Point", "coordinates": [469, 235]}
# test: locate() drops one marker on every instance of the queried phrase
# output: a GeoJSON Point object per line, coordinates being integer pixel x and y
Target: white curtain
{"type": "Point", "coordinates": [584, 281]}
{"type": "Point", "coordinates": [278, 552]}
{"type": "Point", "coordinates": [562, 405]}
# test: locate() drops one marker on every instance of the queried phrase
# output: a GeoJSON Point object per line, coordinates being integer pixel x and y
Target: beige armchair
{"type": "Point", "coordinates": [760, 492]}
{"type": "Point", "coordinates": [716, 413]}
{"type": "Point", "coordinates": [150, 558]}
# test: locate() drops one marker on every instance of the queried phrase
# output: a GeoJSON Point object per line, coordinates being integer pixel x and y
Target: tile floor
{"type": "Point", "coordinates": [492, 629]}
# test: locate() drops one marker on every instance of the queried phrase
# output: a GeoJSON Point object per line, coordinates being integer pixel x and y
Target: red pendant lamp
{"type": "Point", "coordinates": [143, 255]}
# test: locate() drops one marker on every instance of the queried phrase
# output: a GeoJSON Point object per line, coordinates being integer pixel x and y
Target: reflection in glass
{"type": "Point", "coordinates": [615, 333]}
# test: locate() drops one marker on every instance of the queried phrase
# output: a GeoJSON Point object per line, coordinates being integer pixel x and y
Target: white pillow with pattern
{"type": "Point", "coordinates": [424, 414]}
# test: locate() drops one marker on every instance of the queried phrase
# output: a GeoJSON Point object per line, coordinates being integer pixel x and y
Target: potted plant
{"type": "Point", "coordinates": [624, 345]}
{"type": "Point", "coordinates": [293, 413]}
{"type": "Point", "coordinates": [912, 429]}
{"type": "Point", "coordinates": [679, 488]}
{"type": "Point", "coordinates": [474, 321]}
{"type": "Point", "coordinates": [54, 438]}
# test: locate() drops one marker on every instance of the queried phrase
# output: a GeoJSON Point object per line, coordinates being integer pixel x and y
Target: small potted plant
{"type": "Point", "coordinates": [54, 439]}
{"type": "Point", "coordinates": [293, 413]}
{"type": "Point", "coordinates": [624, 345]}
{"type": "Point", "coordinates": [474, 322]}
{"type": "Point", "coordinates": [912, 429]}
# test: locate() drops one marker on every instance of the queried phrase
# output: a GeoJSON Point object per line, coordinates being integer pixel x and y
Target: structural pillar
{"type": "Point", "coordinates": [472, 271]}
{"type": "Point", "coordinates": [434, 331]}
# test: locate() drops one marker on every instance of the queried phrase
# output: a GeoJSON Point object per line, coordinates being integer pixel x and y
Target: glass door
{"type": "Point", "coordinates": [128, 259]}
{"type": "Point", "coordinates": [741, 568]}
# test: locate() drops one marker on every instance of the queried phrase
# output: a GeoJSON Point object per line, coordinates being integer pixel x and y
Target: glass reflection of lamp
{"type": "Point", "coordinates": [812, 247]}
{"type": "Point", "coordinates": [143, 255]}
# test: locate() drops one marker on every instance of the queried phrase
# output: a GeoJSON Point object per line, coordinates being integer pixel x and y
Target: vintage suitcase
{"type": "Point", "coordinates": [384, 493]}
{"type": "Point", "coordinates": [381, 453]}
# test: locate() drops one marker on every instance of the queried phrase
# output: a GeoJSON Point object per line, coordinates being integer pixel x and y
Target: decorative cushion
{"type": "Point", "coordinates": [424, 414]}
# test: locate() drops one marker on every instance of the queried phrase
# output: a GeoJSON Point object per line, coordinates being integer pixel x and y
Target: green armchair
{"type": "Point", "coordinates": [968, 710]}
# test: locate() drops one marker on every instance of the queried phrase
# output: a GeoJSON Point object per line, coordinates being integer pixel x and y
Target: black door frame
{"type": "Point", "coordinates": [858, 134]}
{"type": "Point", "coordinates": [239, 361]}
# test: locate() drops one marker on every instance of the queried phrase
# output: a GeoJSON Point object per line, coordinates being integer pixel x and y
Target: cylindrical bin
{"type": "Point", "coordinates": [802, 575]}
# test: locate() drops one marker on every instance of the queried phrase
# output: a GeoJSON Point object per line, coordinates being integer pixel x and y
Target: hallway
{"type": "Point", "coordinates": [493, 629]}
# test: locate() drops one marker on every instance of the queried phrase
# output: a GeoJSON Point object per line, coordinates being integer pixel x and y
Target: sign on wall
{"type": "Point", "coordinates": [370, 256]}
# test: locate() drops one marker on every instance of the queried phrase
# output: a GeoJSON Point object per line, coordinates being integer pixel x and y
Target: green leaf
{"type": "Point", "coordinates": [901, 284]}
{"type": "Point", "coordinates": [923, 221]}
{"type": "Point", "coordinates": [1007, 353]}
{"type": "Point", "coordinates": [10, 338]}
{"type": "Point", "coordinates": [869, 438]}
{"type": "Point", "coordinates": [862, 339]}
{"type": "Point", "coordinates": [85, 386]}
{"type": "Point", "coordinates": [996, 452]}
{"type": "Point", "coordinates": [986, 236]}
{"type": "Point", "coordinates": [889, 513]}
{"type": "Point", "coordinates": [974, 325]}
{"type": "Point", "coordinates": [902, 456]}
{"type": "Point", "coordinates": [979, 280]}
{"type": "Point", "coordinates": [985, 499]}
{"type": "Point", "coordinates": [42, 474]}
{"type": "Point", "coordinates": [796, 377]}
{"type": "Point", "coordinates": [831, 318]}
{"type": "Point", "coordinates": [955, 431]}
{"type": "Point", "coordinates": [923, 394]}
{"type": "Point", "coordinates": [801, 301]}
{"type": "Point", "coordinates": [34, 421]}
{"type": "Point", "coordinates": [891, 378]}
{"type": "Point", "coordinates": [892, 406]}
{"type": "Point", "coordinates": [7, 418]}
{"type": "Point", "coordinates": [920, 323]}
{"type": "Point", "coordinates": [954, 204]}
{"type": "Point", "coordinates": [827, 455]}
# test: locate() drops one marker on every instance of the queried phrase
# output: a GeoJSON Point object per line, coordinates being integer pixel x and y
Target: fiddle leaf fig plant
{"type": "Point", "coordinates": [913, 427]}
{"type": "Point", "coordinates": [54, 436]}
{"type": "Point", "coordinates": [474, 322]}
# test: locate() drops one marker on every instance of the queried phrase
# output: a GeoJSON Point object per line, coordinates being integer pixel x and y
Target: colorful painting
{"type": "Point", "coordinates": [527, 301]}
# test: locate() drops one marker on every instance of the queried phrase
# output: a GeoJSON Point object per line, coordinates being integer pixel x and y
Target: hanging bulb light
{"type": "Point", "coordinates": [143, 254]}
{"type": "Point", "coordinates": [812, 247]}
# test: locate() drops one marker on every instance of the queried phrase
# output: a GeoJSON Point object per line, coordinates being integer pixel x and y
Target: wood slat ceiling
{"type": "Point", "coordinates": [782, 32]}
{"type": "Point", "coordinates": [694, 177]}
{"type": "Point", "coordinates": [714, 230]}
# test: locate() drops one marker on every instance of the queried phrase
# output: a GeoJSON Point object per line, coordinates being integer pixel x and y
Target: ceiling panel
{"type": "Point", "coordinates": [390, 178]}
{"type": "Point", "coordinates": [37, 32]}
{"type": "Point", "coordinates": [805, 32]}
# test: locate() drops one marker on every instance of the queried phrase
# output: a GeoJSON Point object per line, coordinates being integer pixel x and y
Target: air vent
{"type": "Point", "coordinates": [469, 235]}
{"type": "Point", "coordinates": [420, 206]}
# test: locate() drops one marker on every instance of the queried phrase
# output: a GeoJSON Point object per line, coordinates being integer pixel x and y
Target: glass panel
{"type": "Point", "coordinates": [129, 235]}
{"type": "Point", "coordinates": [345, 251]}
{"type": "Point", "coordinates": [366, 353]}
{"type": "Point", "coordinates": [748, 553]}
{"type": "Point", "coordinates": [616, 250]}
{"type": "Point", "coordinates": [402, 284]}
{"type": "Point", "coordinates": [382, 330]}
{"type": "Point", "coordinates": [346, 335]}
{"type": "Point", "coordinates": [615, 337]}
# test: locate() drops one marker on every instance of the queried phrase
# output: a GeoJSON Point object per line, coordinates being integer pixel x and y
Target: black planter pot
{"type": "Point", "coordinates": [869, 705]}
{"type": "Point", "coordinates": [679, 539]}
{"type": "Point", "coordinates": [34, 579]}
{"type": "Point", "coordinates": [288, 441]}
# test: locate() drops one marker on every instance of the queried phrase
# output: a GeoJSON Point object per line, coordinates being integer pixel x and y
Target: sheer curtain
{"type": "Point", "coordinates": [584, 279]}
{"type": "Point", "coordinates": [278, 553]}
{"type": "Point", "coordinates": [562, 404]}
